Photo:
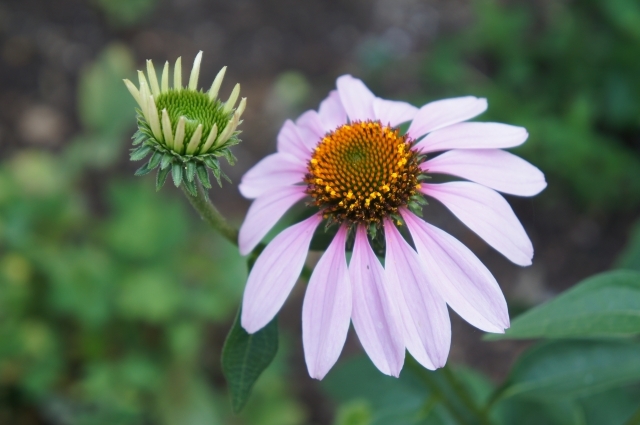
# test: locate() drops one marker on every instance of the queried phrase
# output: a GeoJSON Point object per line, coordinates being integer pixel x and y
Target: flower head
{"type": "Point", "coordinates": [359, 171]}
{"type": "Point", "coordinates": [184, 129]}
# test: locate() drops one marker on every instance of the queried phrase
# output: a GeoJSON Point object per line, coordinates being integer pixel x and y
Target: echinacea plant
{"type": "Point", "coordinates": [363, 176]}
{"type": "Point", "coordinates": [184, 129]}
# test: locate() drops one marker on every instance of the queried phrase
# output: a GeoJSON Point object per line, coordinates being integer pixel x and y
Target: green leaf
{"type": "Point", "coordinates": [155, 160]}
{"type": "Point", "coordinates": [166, 160]}
{"type": "Point", "coordinates": [245, 356]}
{"type": "Point", "coordinates": [570, 369]}
{"type": "Point", "coordinates": [611, 407]}
{"type": "Point", "coordinates": [604, 305]}
{"type": "Point", "coordinates": [212, 162]}
{"type": "Point", "coordinates": [176, 174]}
{"type": "Point", "coordinates": [138, 137]}
{"type": "Point", "coordinates": [203, 176]}
{"type": "Point", "coordinates": [523, 411]}
{"type": "Point", "coordinates": [140, 153]}
{"type": "Point", "coordinates": [190, 185]}
{"type": "Point", "coordinates": [190, 170]}
{"type": "Point", "coordinates": [143, 170]}
{"type": "Point", "coordinates": [161, 177]}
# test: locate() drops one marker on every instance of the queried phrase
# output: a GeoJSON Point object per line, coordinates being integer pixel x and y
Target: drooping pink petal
{"type": "Point", "coordinates": [275, 272]}
{"type": "Point", "coordinates": [264, 213]}
{"type": "Point", "coordinates": [459, 276]}
{"type": "Point", "coordinates": [443, 113]}
{"type": "Point", "coordinates": [326, 309]}
{"type": "Point", "coordinates": [393, 112]}
{"type": "Point", "coordinates": [273, 171]}
{"type": "Point", "coordinates": [332, 113]}
{"type": "Point", "coordinates": [488, 214]}
{"type": "Point", "coordinates": [473, 135]}
{"type": "Point", "coordinates": [290, 142]}
{"type": "Point", "coordinates": [427, 329]}
{"type": "Point", "coordinates": [375, 316]}
{"type": "Point", "coordinates": [494, 168]}
{"type": "Point", "coordinates": [356, 98]}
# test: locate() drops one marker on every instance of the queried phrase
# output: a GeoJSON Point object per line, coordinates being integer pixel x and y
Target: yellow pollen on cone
{"type": "Point", "coordinates": [363, 172]}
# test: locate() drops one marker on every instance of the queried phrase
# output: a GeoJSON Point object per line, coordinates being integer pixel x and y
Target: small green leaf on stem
{"type": "Point", "coordinates": [245, 356]}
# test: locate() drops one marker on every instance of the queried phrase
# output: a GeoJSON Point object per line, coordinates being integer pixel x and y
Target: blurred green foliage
{"type": "Point", "coordinates": [125, 13]}
{"type": "Point", "coordinates": [568, 72]}
{"type": "Point", "coordinates": [114, 302]}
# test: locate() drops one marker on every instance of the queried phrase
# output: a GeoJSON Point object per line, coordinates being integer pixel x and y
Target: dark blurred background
{"type": "Point", "coordinates": [115, 300]}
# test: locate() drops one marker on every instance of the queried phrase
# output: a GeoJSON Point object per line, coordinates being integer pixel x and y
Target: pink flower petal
{"type": "Point", "coordinates": [356, 98]}
{"type": "Point", "coordinates": [332, 113]}
{"type": "Point", "coordinates": [271, 279]}
{"type": "Point", "coordinates": [462, 280]}
{"type": "Point", "coordinates": [326, 310]}
{"type": "Point", "coordinates": [376, 317]}
{"type": "Point", "coordinates": [290, 142]}
{"type": "Point", "coordinates": [392, 112]}
{"type": "Point", "coordinates": [473, 135]}
{"type": "Point", "coordinates": [273, 171]}
{"type": "Point", "coordinates": [442, 113]}
{"type": "Point", "coordinates": [310, 128]}
{"type": "Point", "coordinates": [494, 168]}
{"type": "Point", "coordinates": [427, 329]}
{"type": "Point", "coordinates": [264, 213]}
{"type": "Point", "coordinates": [488, 214]}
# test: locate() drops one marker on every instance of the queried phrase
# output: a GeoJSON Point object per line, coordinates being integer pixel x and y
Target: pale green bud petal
{"type": "Point", "coordinates": [177, 74]}
{"type": "Point", "coordinates": [134, 91]}
{"type": "Point", "coordinates": [166, 129]}
{"type": "Point", "coordinates": [153, 78]}
{"type": "Point", "coordinates": [210, 140]}
{"type": "Point", "coordinates": [165, 78]}
{"type": "Point", "coordinates": [229, 104]}
{"type": "Point", "coordinates": [178, 142]}
{"type": "Point", "coordinates": [217, 82]}
{"type": "Point", "coordinates": [154, 120]}
{"type": "Point", "coordinates": [142, 79]}
{"type": "Point", "coordinates": [241, 107]}
{"type": "Point", "coordinates": [228, 130]}
{"type": "Point", "coordinates": [195, 140]}
{"type": "Point", "coordinates": [195, 72]}
{"type": "Point", "coordinates": [144, 98]}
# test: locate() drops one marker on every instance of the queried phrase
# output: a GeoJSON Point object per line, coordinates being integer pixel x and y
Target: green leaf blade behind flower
{"type": "Point", "coordinates": [569, 369]}
{"type": "Point", "coordinates": [245, 356]}
{"type": "Point", "coordinates": [605, 305]}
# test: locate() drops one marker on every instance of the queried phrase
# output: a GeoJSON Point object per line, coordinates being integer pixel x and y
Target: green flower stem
{"type": "Point", "coordinates": [210, 214]}
{"type": "Point", "coordinates": [432, 382]}
{"type": "Point", "coordinates": [216, 220]}
{"type": "Point", "coordinates": [465, 397]}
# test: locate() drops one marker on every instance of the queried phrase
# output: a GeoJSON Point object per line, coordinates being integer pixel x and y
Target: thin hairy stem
{"type": "Point", "coordinates": [210, 214]}
{"type": "Point", "coordinates": [216, 220]}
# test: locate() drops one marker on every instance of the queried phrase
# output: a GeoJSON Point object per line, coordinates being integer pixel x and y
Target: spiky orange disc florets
{"type": "Point", "coordinates": [363, 172]}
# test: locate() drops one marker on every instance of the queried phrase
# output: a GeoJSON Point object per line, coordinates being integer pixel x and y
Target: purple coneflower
{"type": "Point", "coordinates": [361, 173]}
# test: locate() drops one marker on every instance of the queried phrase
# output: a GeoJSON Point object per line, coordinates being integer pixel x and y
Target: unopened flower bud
{"type": "Point", "coordinates": [183, 128]}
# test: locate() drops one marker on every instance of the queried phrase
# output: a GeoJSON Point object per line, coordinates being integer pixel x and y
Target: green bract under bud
{"type": "Point", "coordinates": [184, 129]}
